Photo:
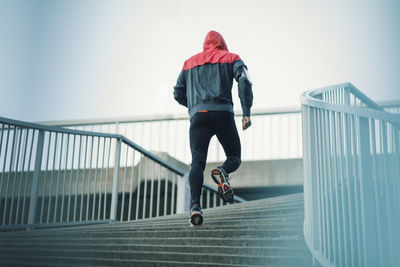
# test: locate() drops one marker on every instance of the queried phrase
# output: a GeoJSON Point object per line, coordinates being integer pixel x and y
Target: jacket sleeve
{"type": "Point", "coordinates": [180, 90]}
{"type": "Point", "coordinates": [244, 86]}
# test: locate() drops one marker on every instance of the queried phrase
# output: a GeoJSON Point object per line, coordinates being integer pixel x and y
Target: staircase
{"type": "Point", "coordinates": [266, 232]}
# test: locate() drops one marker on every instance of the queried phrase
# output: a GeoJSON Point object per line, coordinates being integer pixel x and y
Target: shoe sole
{"type": "Point", "coordinates": [224, 188]}
{"type": "Point", "coordinates": [196, 219]}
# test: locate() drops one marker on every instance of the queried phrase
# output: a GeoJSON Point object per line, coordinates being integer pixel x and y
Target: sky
{"type": "Point", "coordinates": [93, 59]}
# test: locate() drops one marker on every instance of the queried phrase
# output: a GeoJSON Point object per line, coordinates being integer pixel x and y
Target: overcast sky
{"type": "Point", "coordinates": [81, 59]}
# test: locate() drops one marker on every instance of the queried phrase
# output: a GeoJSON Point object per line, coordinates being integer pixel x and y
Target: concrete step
{"type": "Point", "coordinates": [47, 248]}
{"type": "Point", "coordinates": [188, 241]}
{"type": "Point", "coordinates": [188, 232]}
{"type": "Point", "coordinates": [211, 222]}
{"type": "Point", "coordinates": [84, 262]}
{"type": "Point", "coordinates": [256, 221]}
{"type": "Point", "coordinates": [91, 257]}
{"type": "Point", "coordinates": [232, 218]}
{"type": "Point", "coordinates": [283, 225]}
{"type": "Point", "coordinates": [257, 233]}
{"type": "Point", "coordinates": [273, 205]}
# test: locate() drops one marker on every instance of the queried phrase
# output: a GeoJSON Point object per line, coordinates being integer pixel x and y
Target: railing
{"type": "Point", "coordinates": [275, 134]}
{"type": "Point", "coordinates": [56, 176]}
{"type": "Point", "coordinates": [351, 178]}
{"type": "Point", "coordinates": [391, 106]}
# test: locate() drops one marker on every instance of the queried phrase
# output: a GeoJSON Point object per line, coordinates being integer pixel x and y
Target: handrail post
{"type": "Point", "coordinates": [35, 180]}
{"type": "Point", "coordinates": [114, 198]}
{"type": "Point", "coordinates": [368, 212]}
{"type": "Point", "coordinates": [183, 195]}
{"type": "Point", "coordinates": [311, 198]}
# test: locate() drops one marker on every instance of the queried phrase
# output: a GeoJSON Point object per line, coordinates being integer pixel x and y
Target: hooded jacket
{"type": "Point", "coordinates": [206, 79]}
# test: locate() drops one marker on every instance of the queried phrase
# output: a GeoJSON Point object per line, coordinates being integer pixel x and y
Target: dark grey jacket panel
{"type": "Point", "coordinates": [209, 87]}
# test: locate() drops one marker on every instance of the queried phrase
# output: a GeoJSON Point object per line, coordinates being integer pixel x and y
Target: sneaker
{"type": "Point", "coordinates": [196, 215]}
{"type": "Point", "coordinates": [224, 188]}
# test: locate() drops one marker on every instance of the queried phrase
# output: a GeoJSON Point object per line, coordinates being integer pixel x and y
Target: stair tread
{"type": "Point", "coordinates": [254, 233]}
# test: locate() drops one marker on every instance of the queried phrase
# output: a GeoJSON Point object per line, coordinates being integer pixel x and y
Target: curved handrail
{"type": "Point", "coordinates": [390, 103]}
{"type": "Point", "coordinates": [308, 98]}
{"type": "Point", "coordinates": [351, 149]}
{"type": "Point", "coordinates": [351, 88]}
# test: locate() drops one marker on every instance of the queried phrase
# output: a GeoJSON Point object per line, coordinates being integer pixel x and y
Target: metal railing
{"type": "Point", "coordinates": [391, 106]}
{"type": "Point", "coordinates": [56, 176]}
{"type": "Point", "coordinates": [275, 134]}
{"type": "Point", "coordinates": [351, 178]}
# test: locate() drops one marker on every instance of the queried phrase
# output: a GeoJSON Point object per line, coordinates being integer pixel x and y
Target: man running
{"type": "Point", "coordinates": [204, 86]}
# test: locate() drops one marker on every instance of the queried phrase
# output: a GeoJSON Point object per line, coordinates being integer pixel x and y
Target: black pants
{"type": "Point", "coordinates": [202, 127]}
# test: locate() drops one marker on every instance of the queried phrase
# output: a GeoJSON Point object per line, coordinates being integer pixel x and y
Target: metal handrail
{"type": "Point", "coordinates": [172, 117]}
{"type": "Point", "coordinates": [54, 164]}
{"type": "Point", "coordinates": [279, 127]}
{"type": "Point", "coordinates": [351, 88]}
{"type": "Point", "coordinates": [161, 117]}
{"type": "Point", "coordinates": [278, 131]}
{"type": "Point", "coordinates": [358, 111]}
{"type": "Point", "coordinates": [351, 178]}
{"type": "Point", "coordinates": [389, 104]}
{"type": "Point", "coordinates": [96, 134]}
{"type": "Point", "coordinates": [373, 111]}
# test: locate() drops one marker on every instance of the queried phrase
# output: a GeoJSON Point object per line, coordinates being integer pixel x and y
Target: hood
{"type": "Point", "coordinates": [214, 40]}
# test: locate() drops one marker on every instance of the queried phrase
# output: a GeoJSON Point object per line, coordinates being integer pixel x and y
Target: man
{"type": "Point", "coordinates": [204, 86]}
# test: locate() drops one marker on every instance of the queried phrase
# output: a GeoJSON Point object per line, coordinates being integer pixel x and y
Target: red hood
{"type": "Point", "coordinates": [215, 51]}
{"type": "Point", "coordinates": [214, 40]}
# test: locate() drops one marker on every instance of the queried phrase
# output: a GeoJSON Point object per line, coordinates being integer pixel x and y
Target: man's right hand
{"type": "Point", "coordinates": [246, 122]}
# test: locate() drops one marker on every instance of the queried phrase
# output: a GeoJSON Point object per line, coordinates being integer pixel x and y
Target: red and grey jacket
{"type": "Point", "coordinates": [205, 82]}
